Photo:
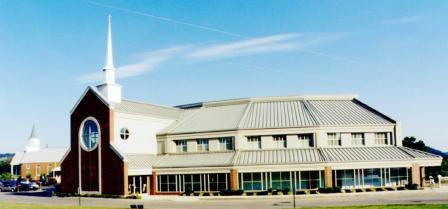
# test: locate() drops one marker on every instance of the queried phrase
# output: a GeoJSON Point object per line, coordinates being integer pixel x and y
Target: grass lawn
{"type": "Point", "coordinates": [385, 207]}
{"type": "Point", "coordinates": [4, 205]}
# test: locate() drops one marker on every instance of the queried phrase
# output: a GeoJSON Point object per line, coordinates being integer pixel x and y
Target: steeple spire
{"type": "Point", "coordinates": [109, 62]}
{"type": "Point", "coordinates": [33, 141]}
{"type": "Point", "coordinates": [33, 133]}
{"type": "Point", "coordinates": [109, 89]}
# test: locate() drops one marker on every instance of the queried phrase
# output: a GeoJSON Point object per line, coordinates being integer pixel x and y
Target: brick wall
{"type": "Point", "coordinates": [113, 169]}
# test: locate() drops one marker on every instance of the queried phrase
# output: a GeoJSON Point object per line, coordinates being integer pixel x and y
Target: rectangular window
{"type": "Point", "coordinates": [167, 183]}
{"type": "Point", "coordinates": [345, 179]}
{"type": "Point", "coordinates": [381, 138]}
{"type": "Point", "coordinates": [202, 145]}
{"type": "Point", "coordinates": [37, 170]}
{"type": "Point", "coordinates": [49, 169]}
{"type": "Point", "coordinates": [306, 140]}
{"type": "Point", "coordinates": [252, 181]}
{"type": "Point", "coordinates": [281, 180]}
{"type": "Point", "coordinates": [193, 182]}
{"type": "Point", "coordinates": [398, 177]}
{"type": "Point", "coordinates": [225, 143]}
{"type": "Point", "coordinates": [309, 180]}
{"type": "Point", "coordinates": [372, 177]}
{"type": "Point", "coordinates": [334, 139]}
{"type": "Point", "coordinates": [279, 141]}
{"type": "Point", "coordinates": [181, 145]}
{"type": "Point", "coordinates": [27, 172]}
{"type": "Point", "coordinates": [217, 181]}
{"type": "Point", "coordinates": [254, 142]}
{"type": "Point", "coordinates": [358, 139]}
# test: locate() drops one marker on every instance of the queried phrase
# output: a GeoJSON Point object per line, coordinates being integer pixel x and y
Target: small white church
{"type": "Point", "coordinates": [36, 161]}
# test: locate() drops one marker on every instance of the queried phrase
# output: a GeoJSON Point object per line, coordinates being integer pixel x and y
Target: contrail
{"type": "Point", "coordinates": [336, 58]}
{"type": "Point", "coordinates": [167, 19]}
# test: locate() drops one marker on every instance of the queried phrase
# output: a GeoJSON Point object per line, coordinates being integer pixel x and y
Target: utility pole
{"type": "Point", "coordinates": [79, 196]}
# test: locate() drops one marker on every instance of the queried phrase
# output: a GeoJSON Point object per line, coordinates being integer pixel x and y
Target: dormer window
{"type": "Point", "coordinates": [358, 139]}
{"type": "Point", "coordinates": [381, 138]}
{"type": "Point", "coordinates": [202, 145]}
{"type": "Point", "coordinates": [181, 145]}
{"type": "Point", "coordinates": [306, 140]}
{"type": "Point", "coordinates": [279, 141]}
{"type": "Point", "coordinates": [225, 143]}
{"type": "Point", "coordinates": [334, 139]}
{"type": "Point", "coordinates": [254, 142]}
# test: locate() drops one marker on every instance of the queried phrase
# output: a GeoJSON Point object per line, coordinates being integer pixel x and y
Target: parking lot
{"type": "Point", "coordinates": [436, 196]}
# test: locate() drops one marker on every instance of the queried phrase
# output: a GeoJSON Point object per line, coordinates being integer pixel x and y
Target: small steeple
{"type": "Point", "coordinates": [33, 132]}
{"type": "Point", "coordinates": [33, 141]}
{"type": "Point", "coordinates": [109, 89]}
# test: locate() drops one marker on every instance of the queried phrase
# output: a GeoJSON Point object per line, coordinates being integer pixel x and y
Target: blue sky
{"type": "Point", "coordinates": [393, 54]}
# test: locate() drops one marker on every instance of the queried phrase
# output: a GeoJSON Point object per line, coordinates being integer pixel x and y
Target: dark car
{"type": "Point", "coordinates": [9, 186]}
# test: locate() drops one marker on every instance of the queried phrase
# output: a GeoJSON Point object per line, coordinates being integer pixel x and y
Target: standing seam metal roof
{"type": "Point", "coordinates": [292, 156]}
{"type": "Point", "coordinates": [287, 112]}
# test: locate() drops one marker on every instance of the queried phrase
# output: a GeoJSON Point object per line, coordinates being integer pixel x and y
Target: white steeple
{"type": "Point", "coordinates": [109, 89]}
{"type": "Point", "coordinates": [33, 142]}
{"type": "Point", "coordinates": [109, 69]}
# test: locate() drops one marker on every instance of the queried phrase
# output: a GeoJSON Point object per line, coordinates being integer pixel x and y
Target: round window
{"type": "Point", "coordinates": [90, 134]}
{"type": "Point", "coordinates": [124, 133]}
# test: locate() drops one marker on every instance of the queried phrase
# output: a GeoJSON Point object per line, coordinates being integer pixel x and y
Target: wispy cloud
{"type": "Point", "coordinates": [146, 62]}
{"type": "Point", "coordinates": [403, 20]}
{"type": "Point", "coordinates": [143, 63]}
{"type": "Point", "coordinates": [280, 42]}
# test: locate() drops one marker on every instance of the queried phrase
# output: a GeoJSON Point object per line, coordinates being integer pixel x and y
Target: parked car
{"type": "Point", "coordinates": [8, 186]}
{"type": "Point", "coordinates": [28, 186]}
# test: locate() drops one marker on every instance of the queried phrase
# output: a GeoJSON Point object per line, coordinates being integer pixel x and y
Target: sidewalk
{"type": "Point", "coordinates": [309, 196]}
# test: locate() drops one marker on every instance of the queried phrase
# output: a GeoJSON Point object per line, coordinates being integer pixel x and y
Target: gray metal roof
{"type": "Point", "coordinates": [42, 156]}
{"type": "Point", "coordinates": [345, 112]}
{"type": "Point", "coordinates": [210, 118]}
{"type": "Point", "coordinates": [344, 154]}
{"type": "Point", "coordinates": [280, 156]}
{"type": "Point", "coordinates": [196, 160]}
{"type": "Point", "coordinates": [418, 154]}
{"type": "Point", "coordinates": [152, 110]}
{"type": "Point", "coordinates": [277, 112]}
{"type": "Point", "coordinates": [141, 161]}
{"type": "Point", "coordinates": [292, 156]}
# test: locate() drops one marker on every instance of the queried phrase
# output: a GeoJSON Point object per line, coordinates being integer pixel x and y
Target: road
{"type": "Point", "coordinates": [438, 196]}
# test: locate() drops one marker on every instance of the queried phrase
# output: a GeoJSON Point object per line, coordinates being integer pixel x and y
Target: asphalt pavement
{"type": "Point", "coordinates": [436, 196]}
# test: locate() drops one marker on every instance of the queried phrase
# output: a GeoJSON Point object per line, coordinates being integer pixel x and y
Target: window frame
{"type": "Point", "coordinates": [181, 145]}
{"type": "Point", "coordinates": [254, 142]}
{"type": "Point", "coordinates": [202, 145]}
{"type": "Point", "coordinates": [125, 134]}
{"type": "Point", "coordinates": [279, 141]}
{"type": "Point", "coordinates": [358, 141]}
{"type": "Point", "coordinates": [336, 141]}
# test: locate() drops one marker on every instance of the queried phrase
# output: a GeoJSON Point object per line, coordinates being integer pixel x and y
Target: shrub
{"type": "Point", "coordinates": [286, 190]}
{"type": "Point", "coordinates": [188, 192]}
{"type": "Point", "coordinates": [230, 192]}
{"type": "Point", "coordinates": [412, 186]}
{"type": "Point", "coordinates": [329, 190]}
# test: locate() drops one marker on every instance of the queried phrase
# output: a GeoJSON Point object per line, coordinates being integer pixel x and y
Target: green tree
{"type": "Point", "coordinates": [6, 176]}
{"type": "Point", "coordinates": [413, 143]}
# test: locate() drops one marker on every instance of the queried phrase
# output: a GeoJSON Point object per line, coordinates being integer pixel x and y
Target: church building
{"type": "Point", "coordinates": [36, 161]}
{"type": "Point", "coordinates": [123, 147]}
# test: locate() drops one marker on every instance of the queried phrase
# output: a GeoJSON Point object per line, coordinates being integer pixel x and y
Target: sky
{"type": "Point", "coordinates": [392, 54]}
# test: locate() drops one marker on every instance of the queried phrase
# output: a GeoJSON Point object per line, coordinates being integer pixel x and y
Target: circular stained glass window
{"type": "Point", "coordinates": [90, 134]}
{"type": "Point", "coordinates": [124, 133]}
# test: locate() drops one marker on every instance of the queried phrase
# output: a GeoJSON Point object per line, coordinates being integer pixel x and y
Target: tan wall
{"type": "Point", "coordinates": [32, 169]}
